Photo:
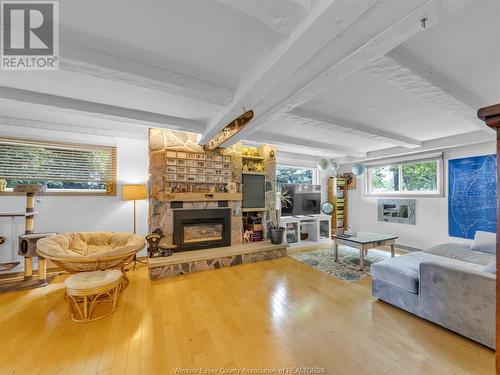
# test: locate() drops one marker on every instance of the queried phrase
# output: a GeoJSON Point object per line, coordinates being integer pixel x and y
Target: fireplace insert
{"type": "Point", "coordinates": [202, 229]}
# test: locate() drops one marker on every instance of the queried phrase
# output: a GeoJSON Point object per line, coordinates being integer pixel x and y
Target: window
{"type": "Point", "coordinates": [295, 175]}
{"type": "Point", "coordinates": [62, 167]}
{"type": "Point", "coordinates": [412, 177]}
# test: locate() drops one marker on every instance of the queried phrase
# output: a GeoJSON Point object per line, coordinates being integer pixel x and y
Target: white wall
{"type": "Point", "coordinates": [431, 213]}
{"type": "Point", "coordinates": [81, 213]}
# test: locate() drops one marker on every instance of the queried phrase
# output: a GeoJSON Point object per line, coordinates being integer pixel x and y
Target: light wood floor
{"type": "Point", "coordinates": [269, 314]}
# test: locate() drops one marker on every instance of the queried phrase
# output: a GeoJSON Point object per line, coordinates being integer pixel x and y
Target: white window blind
{"type": "Point", "coordinates": [62, 166]}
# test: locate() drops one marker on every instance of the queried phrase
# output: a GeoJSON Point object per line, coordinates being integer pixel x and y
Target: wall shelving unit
{"type": "Point", "coordinates": [337, 195]}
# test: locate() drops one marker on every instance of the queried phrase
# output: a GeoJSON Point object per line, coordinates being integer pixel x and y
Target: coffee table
{"type": "Point", "coordinates": [363, 241]}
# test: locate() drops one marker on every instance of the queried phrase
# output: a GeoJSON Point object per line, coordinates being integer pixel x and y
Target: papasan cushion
{"type": "Point", "coordinates": [89, 280]}
{"type": "Point", "coordinates": [88, 246]}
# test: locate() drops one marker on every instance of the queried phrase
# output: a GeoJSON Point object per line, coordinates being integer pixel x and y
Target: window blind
{"type": "Point", "coordinates": [23, 160]}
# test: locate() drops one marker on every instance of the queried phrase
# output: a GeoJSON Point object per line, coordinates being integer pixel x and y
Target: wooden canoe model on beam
{"type": "Point", "coordinates": [229, 131]}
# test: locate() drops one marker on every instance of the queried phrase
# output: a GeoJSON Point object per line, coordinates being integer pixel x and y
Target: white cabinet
{"type": "Point", "coordinates": [292, 229]}
{"type": "Point", "coordinates": [324, 227]}
{"type": "Point", "coordinates": [317, 228]}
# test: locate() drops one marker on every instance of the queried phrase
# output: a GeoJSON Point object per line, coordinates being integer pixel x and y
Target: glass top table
{"type": "Point", "coordinates": [363, 241]}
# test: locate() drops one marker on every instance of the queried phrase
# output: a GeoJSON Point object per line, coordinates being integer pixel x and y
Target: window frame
{"type": "Point", "coordinates": [112, 191]}
{"type": "Point", "coordinates": [402, 193]}
{"type": "Point", "coordinates": [315, 172]}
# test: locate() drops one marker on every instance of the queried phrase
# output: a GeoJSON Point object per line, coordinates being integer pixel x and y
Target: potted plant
{"type": "Point", "coordinates": [276, 233]}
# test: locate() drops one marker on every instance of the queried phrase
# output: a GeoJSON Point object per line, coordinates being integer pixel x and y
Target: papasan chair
{"type": "Point", "coordinates": [91, 251]}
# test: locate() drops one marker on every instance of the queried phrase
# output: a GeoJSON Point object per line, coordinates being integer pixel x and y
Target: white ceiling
{"type": "Point", "coordinates": [326, 78]}
{"type": "Point", "coordinates": [368, 100]}
{"type": "Point", "coordinates": [199, 38]}
{"type": "Point", "coordinates": [466, 49]}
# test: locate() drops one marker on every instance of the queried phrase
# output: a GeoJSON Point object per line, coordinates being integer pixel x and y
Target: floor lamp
{"type": "Point", "coordinates": [134, 192]}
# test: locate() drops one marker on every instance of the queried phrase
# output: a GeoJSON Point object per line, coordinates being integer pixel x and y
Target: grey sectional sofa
{"type": "Point", "coordinates": [451, 285]}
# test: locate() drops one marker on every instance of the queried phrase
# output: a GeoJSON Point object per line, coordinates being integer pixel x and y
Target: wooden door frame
{"type": "Point", "coordinates": [491, 116]}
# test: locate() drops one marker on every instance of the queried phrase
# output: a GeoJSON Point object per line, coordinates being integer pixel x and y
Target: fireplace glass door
{"type": "Point", "coordinates": [202, 233]}
{"type": "Point", "coordinates": [197, 229]}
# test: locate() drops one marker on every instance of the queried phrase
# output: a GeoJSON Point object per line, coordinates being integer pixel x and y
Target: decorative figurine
{"type": "Point", "coordinates": [155, 249]}
{"type": "Point", "coordinates": [247, 236]}
{"type": "Point", "coordinates": [258, 167]}
{"type": "Point", "coordinates": [231, 187]}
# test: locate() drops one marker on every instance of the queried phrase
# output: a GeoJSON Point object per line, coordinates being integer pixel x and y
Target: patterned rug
{"type": "Point", "coordinates": [347, 268]}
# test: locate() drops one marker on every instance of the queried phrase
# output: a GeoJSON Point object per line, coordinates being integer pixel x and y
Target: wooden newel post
{"type": "Point", "coordinates": [491, 116]}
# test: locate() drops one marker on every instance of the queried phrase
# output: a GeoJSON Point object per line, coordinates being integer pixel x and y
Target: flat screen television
{"type": "Point", "coordinates": [254, 191]}
{"type": "Point", "coordinates": [304, 199]}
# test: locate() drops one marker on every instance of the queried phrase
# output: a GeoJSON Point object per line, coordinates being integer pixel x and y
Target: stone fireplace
{"type": "Point", "coordinates": [184, 176]}
{"type": "Point", "coordinates": [201, 229]}
{"type": "Point", "coordinates": [196, 200]}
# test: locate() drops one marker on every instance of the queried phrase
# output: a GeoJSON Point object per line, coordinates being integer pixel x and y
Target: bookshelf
{"type": "Point", "coordinates": [259, 161]}
{"type": "Point", "coordinates": [337, 195]}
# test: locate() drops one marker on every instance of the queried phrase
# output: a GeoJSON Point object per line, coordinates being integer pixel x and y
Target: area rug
{"type": "Point", "coordinates": [347, 268]}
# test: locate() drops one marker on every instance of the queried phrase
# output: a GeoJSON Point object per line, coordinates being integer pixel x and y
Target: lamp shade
{"type": "Point", "coordinates": [132, 192]}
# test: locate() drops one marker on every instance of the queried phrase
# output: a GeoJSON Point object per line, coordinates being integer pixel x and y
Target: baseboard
{"type": "Point", "coordinates": [408, 248]}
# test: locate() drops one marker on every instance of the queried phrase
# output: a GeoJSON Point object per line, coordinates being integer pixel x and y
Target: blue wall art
{"type": "Point", "coordinates": [471, 195]}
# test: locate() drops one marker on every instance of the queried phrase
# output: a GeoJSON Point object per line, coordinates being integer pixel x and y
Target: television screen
{"type": "Point", "coordinates": [254, 195]}
{"type": "Point", "coordinates": [301, 199]}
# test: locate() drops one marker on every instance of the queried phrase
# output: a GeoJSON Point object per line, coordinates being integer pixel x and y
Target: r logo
{"type": "Point", "coordinates": [29, 29]}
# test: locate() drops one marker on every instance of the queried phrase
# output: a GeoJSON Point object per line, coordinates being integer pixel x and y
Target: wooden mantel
{"type": "Point", "coordinates": [198, 197]}
{"type": "Point", "coordinates": [491, 116]}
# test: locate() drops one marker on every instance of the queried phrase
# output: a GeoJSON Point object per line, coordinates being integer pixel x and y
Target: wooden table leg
{"type": "Point", "coordinates": [335, 251]}
{"type": "Point", "coordinates": [392, 250]}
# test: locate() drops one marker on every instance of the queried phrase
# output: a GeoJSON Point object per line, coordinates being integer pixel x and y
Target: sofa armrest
{"type": "Point", "coordinates": [460, 299]}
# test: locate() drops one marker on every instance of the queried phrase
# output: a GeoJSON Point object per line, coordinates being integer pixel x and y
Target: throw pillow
{"type": "Point", "coordinates": [491, 267]}
{"type": "Point", "coordinates": [485, 242]}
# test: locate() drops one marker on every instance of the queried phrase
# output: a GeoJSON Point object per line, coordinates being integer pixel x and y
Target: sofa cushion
{"type": "Point", "coordinates": [491, 267]}
{"type": "Point", "coordinates": [403, 271]}
{"type": "Point", "coordinates": [461, 252]}
{"type": "Point", "coordinates": [485, 242]}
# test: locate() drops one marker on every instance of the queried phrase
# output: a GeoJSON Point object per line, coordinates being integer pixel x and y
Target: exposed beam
{"type": "Point", "coordinates": [111, 129]}
{"type": "Point", "coordinates": [311, 120]}
{"type": "Point", "coordinates": [292, 144]}
{"type": "Point", "coordinates": [118, 69]}
{"type": "Point", "coordinates": [300, 160]}
{"type": "Point", "coordinates": [281, 16]}
{"type": "Point", "coordinates": [361, 44]}
{"type": "Point", "coordinates": [460, 140]}
{"type": "Point", "coordinates": [325, 22]}
{"type": "Point", "coordinates": [105, 111]}
{"type": "Point", "coordinates": [400, 69]}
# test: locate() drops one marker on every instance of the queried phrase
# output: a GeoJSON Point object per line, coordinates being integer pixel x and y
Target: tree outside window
{"type": "Point", "coordinates": [294, 175]}
{"type": "Point", "coordinates": [417, 177]}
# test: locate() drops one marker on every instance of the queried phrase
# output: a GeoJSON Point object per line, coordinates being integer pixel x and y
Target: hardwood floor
{"type": "Point", "coordinates": [279, 313]}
